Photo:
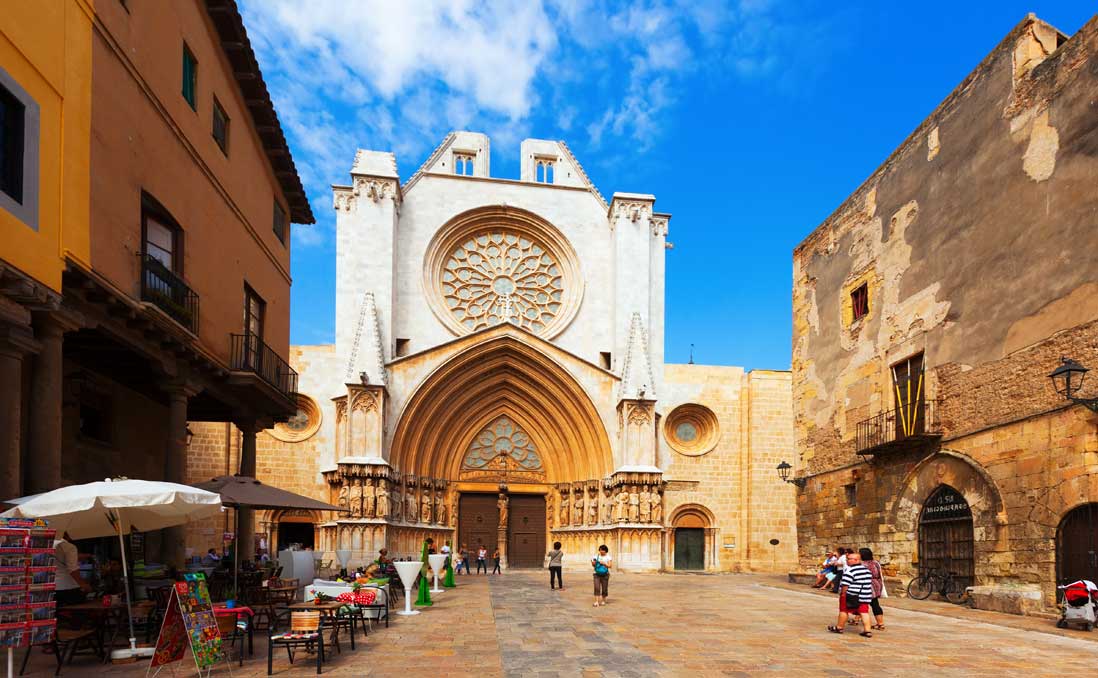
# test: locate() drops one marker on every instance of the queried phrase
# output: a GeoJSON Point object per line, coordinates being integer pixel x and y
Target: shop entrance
{"type": "Point", "coordinates": [526, 524]}
{"type": "Point", "coordinates": [1077, 545]}
{"type": "Point", "coordinates": [946, 542]}
{"type": "Point", "coordinates": [295, 535]}
{"type": "Point", "coordinates": [689, 548]}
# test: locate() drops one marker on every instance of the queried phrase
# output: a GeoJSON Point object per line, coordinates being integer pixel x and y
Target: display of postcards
{"type": "Point", "coordinates": [13, 635]}
{"type": "Point", "coordinates": [41, 632]}
{"type": "Point", "coordinates": [42, 611]}
{"type": "Point", "coordinates": [41, 539]}
{"type": "Point", "coordinates": [13, 614]}
{"type": "Point", "coordinates": [40, 594]}
{"type": "Point", "coordinates": [12, 540]}
{"type": "Point", "coordinates": [42, 575]}
{"type": "Point", "coordinates": [13, 598]}
{"type": "Point", "coordinates": [14, 560]}
{"type": "Point", "coordinates": [13, 578]}
{"type": "Point", "coordinates": [42, 557]}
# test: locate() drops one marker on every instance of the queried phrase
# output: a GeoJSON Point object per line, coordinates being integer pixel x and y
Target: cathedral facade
{"type": "Point", "coordinates": [497, 378]}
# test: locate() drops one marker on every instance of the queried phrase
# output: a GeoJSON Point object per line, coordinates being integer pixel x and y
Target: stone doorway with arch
{"type": "Point", "coordinates": [946, 538]}
{"type": "Point", "coordinates": [691, 539]}
{"type": "Point", "coordinates": [1077, 545]}
{"type": "Point", "coordinates": [293, 528]}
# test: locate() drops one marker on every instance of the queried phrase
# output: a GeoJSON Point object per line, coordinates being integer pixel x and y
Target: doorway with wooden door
{"type": "Point", "coordinates": [478, 524]}
{"type": "Point", "coordinates": [946, 537]}
{"type": "Point", "coordinates": [1077, 545]}
{"type": "Point", "coordinates": [526, 528]}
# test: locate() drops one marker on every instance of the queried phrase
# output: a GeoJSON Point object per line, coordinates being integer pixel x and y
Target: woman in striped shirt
{"type": "Point", "coordinates": [855, 592]}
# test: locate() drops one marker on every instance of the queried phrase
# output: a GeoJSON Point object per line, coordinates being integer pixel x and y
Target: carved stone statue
{"type": "Point", "coordinates": [410, 509]}
{"type": "Point", "coordinates": [551, 509]}
{"type": "Point", "coordinates": [382, 499]}
{"type": "Point", "coordinates": [645, 505]}
{"type": "Point", "coordinates": [565, 500]}
{"type": "Point", "coordinates": [501, 504]}
{"type": "Point", "coordinates": [593, 507]}
{"type": "Point", "coordinates": [369, 499]}
{"type": "Point", "coordinates": [344, 496]}
{"type": "Point", "coordinates": [425, 507]}
{"type": "Point", "coordinates": [398, 501]}
{"type": "Point", "coordinates": [606, 505]}
{"type": "Point", "coordinates": [440, 508]}
{"type": "Point", "coordinates": [454, 510]}
{"type": "Point", "coordinates": [634, 505]}
{"type": "Point", "coordinates": [657, 507]}
{"type": "Point", "coordinates": [621, 501]}
{"type": "Point", "coordinates": [356, 498]}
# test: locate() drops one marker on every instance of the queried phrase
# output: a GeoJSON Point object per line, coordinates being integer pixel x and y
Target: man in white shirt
{"type": "Point", "coordinates": [71, 587]}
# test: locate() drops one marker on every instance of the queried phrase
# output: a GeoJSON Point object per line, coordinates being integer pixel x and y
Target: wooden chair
{"type": "Point", "coordinates": [231, 634]}
{"type": "Point", "coordinates": [304, 632]}
{"type": "Point", "coordinates": [64, 644]}
{"type": "Point", "coordinates": [265, 617]}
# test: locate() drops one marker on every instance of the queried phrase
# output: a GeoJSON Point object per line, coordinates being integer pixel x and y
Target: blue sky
{"type": "Point", "coordinates": [750, 121]}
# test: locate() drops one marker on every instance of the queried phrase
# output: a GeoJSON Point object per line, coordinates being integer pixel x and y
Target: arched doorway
{"type": "Point", "coordinates": [946, 541]}
{"type": "Point", "coordinates": [690, 526]}
{"type": "Point", "coordinates": [1077, 545]}
{"type": "Point", "coordinates": [294, 529]}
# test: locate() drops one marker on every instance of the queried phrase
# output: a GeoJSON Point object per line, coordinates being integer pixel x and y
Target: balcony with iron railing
{"type": "Point", "coordinates": [250, 354]}
{"type": "Point", "coordinates": [906, 427]}
{"type": "Point", "coordinates": [167, 291]}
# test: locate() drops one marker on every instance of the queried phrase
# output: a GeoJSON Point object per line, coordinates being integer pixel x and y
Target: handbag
{"type": "Point", "coordinates": [600, 568]}
{"type": "Point", "coordinates": [853, 600]}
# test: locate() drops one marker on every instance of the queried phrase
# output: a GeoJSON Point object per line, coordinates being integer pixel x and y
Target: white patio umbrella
{"type": "Point", "coordinates": [119, 507]}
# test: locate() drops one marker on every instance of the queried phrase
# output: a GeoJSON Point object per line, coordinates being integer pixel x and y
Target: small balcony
{"type": "Point", "coordinates": [250, 354]}
{"type": "Point", "coordinates": [169, 293]}
{"type": "Point", "coordinates": [906, 427]}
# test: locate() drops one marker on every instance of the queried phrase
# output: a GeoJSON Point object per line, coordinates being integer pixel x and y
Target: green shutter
{"type": "Point", "coordinates": [190, 77]}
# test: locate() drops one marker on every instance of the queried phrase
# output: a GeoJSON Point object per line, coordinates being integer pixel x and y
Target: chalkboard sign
{"type": "Point", "coordinates": [946, 504]}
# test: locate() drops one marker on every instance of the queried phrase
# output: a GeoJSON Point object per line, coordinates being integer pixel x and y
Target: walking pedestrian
{"type": "Point", "coordinates": [495, 562]}
{"type": "Point", "coordinates": [878, 587]}
{"type": "Point", "coordinates": [855, 592]}
{"type": "Point", "coordinates": [602, 562]}
{"type": "Point", "coordinates": [482, 559]}
{"type": "Point", "coordinates": [459, 560]}
{"type": "Point", "coordinates": [555, 557]}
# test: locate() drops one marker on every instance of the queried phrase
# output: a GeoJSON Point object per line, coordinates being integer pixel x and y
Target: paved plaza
{"type": "Point", "coordinates": [667, 625]}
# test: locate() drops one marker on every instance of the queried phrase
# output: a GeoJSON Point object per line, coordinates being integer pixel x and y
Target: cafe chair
{"type": "Point", "coordinates": [304, 632]}
{"type": "Point", "coordinates": [231, 635]}
{"type": "Point", "coordinates": [64, 645]}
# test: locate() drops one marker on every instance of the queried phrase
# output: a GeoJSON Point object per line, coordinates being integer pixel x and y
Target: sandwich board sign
{"type": "Point", "coordinates": [189, 624]}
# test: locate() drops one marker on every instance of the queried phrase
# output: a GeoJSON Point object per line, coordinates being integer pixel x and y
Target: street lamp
{"type": "Point", "coordinates": [1067, 379]}
{"type": "Point", "coordinates": [784, 469]}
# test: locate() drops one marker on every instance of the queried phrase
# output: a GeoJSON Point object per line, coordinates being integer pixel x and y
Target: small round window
{"type": "Point", "coordinates": [301, 425]}
{"type": "Point", "coordinates": [691, 429]}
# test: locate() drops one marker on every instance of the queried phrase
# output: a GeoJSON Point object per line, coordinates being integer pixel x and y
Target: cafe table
{"type": "Point", "coordinates": [221, 610]}
{"type": "Point", "coordinates": [282, 594]}
{"type": "Point", "coordinates": [96, 615]}
{"type": "Point", "coordinates": [327, 610]}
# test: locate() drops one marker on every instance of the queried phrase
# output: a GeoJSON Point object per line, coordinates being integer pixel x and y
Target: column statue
{"type": "Point", "coordinates": [440, 508]}
{"type": "Point", "coordinates": [425, 506]}
{"type": "Point", "coordinates": [645, 500]}
{"type": "Point", "coordinates": [369, 499]}
{"type": "Point", "coordinates": [344, 501]}
{"type": "Point", "coordinates": [634, 505]}
{"type": "Point", "coordinates": [593, 506]}
{"type": "Point", "coordinates": [410, 509]}
{"type": "Point", "coordinates": [382, 499]}
{"type": "Point", "coordinates": [356, 498]}
{"type": "Point", "coordinates": [657, 507]}
{"type": "Point", "coordinates": [501, 504]}
{"type": "Point", "coordinates": [620, 502]}
{"type": "Point", "coordinates": [565, 500]}
{"type": "Point", "coordinates": [606, 506]}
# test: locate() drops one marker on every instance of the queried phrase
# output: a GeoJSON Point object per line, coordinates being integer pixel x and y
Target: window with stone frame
{"type": "Point", "coordinates": [190, 77]}
{"type": "Point", "coordinates": [12, 118]}
{"type": "Point", "coordinates": [463, 163]}
{"type": "Point", "coordinates": [220, 126]}
{"type": "Point", "coordinates": [851, 492]}
{"type": "Point", "coordinates": [859, 301]}
{"type": "Point", "coordinates": [544, 170]}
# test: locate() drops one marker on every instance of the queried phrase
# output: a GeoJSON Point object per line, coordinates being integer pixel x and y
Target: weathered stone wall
{"type": "Point", "coordinates": [975, 240]}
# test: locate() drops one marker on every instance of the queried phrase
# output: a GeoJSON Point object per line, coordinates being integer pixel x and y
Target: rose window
{"type": "Point", "coordinates": [502, 438]}
{"type": "Point", "coordinates": [498, 276]}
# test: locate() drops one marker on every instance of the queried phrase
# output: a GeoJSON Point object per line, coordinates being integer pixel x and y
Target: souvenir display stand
{"type": "Point", "coordinates": [189, 623]}
{"type": "Point", "coordinates": [27, 571]}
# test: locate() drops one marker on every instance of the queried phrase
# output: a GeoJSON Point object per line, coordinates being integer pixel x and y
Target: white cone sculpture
{"type": "Point", "coordinates": [408, 569]}
{"type": "Point", "coordinates": [437, 560]}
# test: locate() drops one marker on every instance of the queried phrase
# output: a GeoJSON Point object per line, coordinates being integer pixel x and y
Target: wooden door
{"type": "Point", "coordinates": [689, 548]}
{"type": "Point", "coordinates": [1077, 545]}
{"type": "Point", "coordinates": [526, 545]}
{"type": "Point", "coordinates": [946, 537]}
{"type": "Point", "coordinates": [909, 396]}
{"type": "Point", "coordinates": [478, 523]}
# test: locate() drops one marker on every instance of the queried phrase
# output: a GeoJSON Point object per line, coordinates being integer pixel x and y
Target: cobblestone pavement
{"type": "Point", "coordinates": [662, 625]}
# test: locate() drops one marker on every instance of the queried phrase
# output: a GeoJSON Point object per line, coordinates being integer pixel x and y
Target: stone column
{"type": "Point", "coordinates": [14, 345]}
{"type": "Point", "coordinates": [173, 544]}
{"type": "Point", "coordinates": [246, 533]}
{"type": "Point", "coordinates": [44, 430]}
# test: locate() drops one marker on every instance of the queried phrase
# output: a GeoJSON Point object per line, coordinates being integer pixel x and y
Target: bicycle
{"type": "Point", "coordinates": [946, 584]}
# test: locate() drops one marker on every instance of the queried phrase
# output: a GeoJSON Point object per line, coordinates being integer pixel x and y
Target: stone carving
{"type": "Point", "coordinates": [634, 505]}
{"type": "Point", "coordinates": [621, 503]}
{"type": "Point", "coordinates": [425, 506]}
{"type": "Point", "coordinates": [551, 509]}
{"type": "Point", "coordinates": [454, 510]}
{"type": "Point", "coordinates": [645, 505]}
{"type": "Point", "coordinates": [577, 506]}
{"type": "Point", "coordinates": [344, 501]}
{"type": "Point", "coordinates": [501, 504]}
{"type": "Point", "coordinates": [382, 500]}
{"type": "Point", "coordinates": [593, 506]}
{"type": "Point", "coordinates": [659, 226]}
{"type": "Point", "coordinates": [374, 189]}
{"type": "Point", "coordinates": [365, 402]}
{"type": "Point", "coordinates": [565, 503]}
{"type": "Point", "coordinates": [633, 211]}
{"type": "Point", "coordinates": [657, 507]}
{"type": "Point", "coordinates": [639, 415]}
{"type": "Point", "coordinates": [607, 506]}
{"type": "Point", "coordinates": [369, 499]}
{"type": "Point", "coordinates": [502, 438]}
{"type": "Point", "coordinates": [440, 508]}
{"type": "Point", "coordinates": [410, 509]}
{"type": "Point", "coordinates": [499, 276]}
{"type": "Point", "coordinates": [398, 501]}
{"type": "Point", "coordinates": [356, 498]}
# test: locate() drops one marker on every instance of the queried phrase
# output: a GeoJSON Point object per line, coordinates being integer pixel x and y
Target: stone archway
{"type": "Point", "coordinates": [301, 527]}
{"type": "Point", "coordinates": [691, 538]}
{"type": "Point", "coordinates": [979, 490]}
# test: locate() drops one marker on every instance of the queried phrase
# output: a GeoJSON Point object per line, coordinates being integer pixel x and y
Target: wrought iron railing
{"type": "Point", "coordinates": [250, 354]}
{"type": "Point", "coordinates": [908, 421]}
{"type": "Point", "coordinates": [169, 293]}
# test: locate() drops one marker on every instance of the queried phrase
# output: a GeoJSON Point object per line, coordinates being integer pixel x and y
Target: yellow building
{"type": "Point", "coordinates": [45, 139]}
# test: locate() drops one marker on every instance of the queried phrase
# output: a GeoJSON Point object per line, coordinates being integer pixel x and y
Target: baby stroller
{"type": "Point", "coordinates": [1080, 604]}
